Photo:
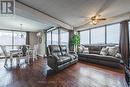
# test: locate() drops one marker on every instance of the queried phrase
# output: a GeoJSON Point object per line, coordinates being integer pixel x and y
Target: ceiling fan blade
{"type": "Point", "coordinates": [104, 6]}
{"type": "Point", "coordinates": [102, 19]}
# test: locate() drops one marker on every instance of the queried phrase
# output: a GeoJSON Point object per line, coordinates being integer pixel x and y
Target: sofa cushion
{"type": "Point", "coordinates": [95, 49]}
{"type": "Point", "coordinates": [63, 59]}
{"type": "Point", "coordinates": [72, 56]}
{"type": "Point", "coordinates": [100, 57]}
{"type": "Point", "coordinates": [55, 50]}
{"type": "Point", "coordinates": [94, 52]}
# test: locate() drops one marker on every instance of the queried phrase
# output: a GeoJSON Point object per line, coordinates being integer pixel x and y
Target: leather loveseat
{"type": "Point", "coordinates": [59, 58]}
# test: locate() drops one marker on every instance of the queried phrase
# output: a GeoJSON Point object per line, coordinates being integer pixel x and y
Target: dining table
{"type": "Point", "coordinates": [18, 52]}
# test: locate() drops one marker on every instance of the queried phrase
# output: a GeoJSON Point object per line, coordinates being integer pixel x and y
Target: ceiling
{"type": "Point", "coordinates": [72, 11]}
{"type": "Point", "coordinates": [66, 13]}
{"type": "Point", "coordinates": [14, 23]}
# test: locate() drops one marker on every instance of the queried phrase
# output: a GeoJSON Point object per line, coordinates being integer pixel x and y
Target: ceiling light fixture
{"type": "Point", "coordinates": [95, 19]}
{"type": "Point", "coordinates": [93, 22]}
{"type": "Point", "coordinates": [21, 30]}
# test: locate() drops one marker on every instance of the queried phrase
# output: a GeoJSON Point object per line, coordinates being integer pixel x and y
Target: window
{"type": "Point", "coordinates": [6, 39]}
{"type": "Point", "coordinates": [113, 32]}
{"type": "Point", "coordinates": [55, 37]}
{"type": "Point", "coordinates": [48, 38]}
{"type": "Point", "coordinates": [98, 35]}
{"type": "Point", "coordinates": [108, 34]}
{"type": "Point", "coordinates": [58, 36]}
{"type": "Point", "coordinates": [84, 37]}
{"type": "Point", "coordinates": [129, 32]}
{"type": "Point", "coordinates": [129, 25]}
{"type": "Point", "coordinates": [64, 37]}
{"type": "Point", "coordinates": [19, 38]}
{"type": "Point", "coordinates": [12, 38]}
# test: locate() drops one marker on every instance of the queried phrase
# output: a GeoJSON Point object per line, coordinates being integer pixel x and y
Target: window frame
{"type": "Point", "coordinates": [12, 45]}
{"type": "Point", "coordinates": [97, 29]}
{"type": "Point", "coordinates": [53, 38]}
{"type": "Point", "coordinates": [107, 33]}
{"type": "Point", "coordinates": [59, 36]}
{"type": "Point", "coordinates": [90, 32]}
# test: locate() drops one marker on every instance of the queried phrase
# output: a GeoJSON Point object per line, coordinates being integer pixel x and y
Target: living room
{"type": "Point", "coordinates": [64, 43]}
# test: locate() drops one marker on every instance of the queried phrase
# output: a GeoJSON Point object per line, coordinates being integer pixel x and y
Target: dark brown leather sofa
{"type": "Point", "coordinates": [58, 57]}
{"type": "Point", "coordinates": [95, 57]}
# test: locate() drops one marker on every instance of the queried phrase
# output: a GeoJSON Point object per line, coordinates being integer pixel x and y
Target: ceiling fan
{"type": "Point", "coordinates": [95, 19]}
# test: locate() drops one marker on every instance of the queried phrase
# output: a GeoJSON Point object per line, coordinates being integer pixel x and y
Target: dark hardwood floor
{"type": "Point", "coordinates": [38, 74]}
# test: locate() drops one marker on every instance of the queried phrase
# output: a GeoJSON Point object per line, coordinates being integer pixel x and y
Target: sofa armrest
{"type": "Point", "coordinates": [53, 57]}
{"type": "Point", "coordinates": [52, 61]}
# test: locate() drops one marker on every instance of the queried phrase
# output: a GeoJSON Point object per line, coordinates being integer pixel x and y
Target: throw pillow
{"type": "Point", "coordinates": [118, 55]}
{"type": "Point", "coordinates": [112, 51]}
{"type": "Point", "coordinates": [85, 50]}
{"type": "Point", "coordinates": [80, 49]}
{"type": "Point", "coordinates": [104, 51]}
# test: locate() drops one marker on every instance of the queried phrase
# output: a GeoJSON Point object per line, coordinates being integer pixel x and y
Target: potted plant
{"type": "Point", "coordinates": [75, 41]}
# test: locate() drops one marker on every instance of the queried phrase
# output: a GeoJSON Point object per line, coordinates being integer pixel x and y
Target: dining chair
{"type": "Point", "coordinates": [25, 52]}
{"type": "Point", "coordinates": [6, 55]}
{"type": "Point", "coordinates": [13, 54]}
{"type": "Point", "coordinates": [34, 52]}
